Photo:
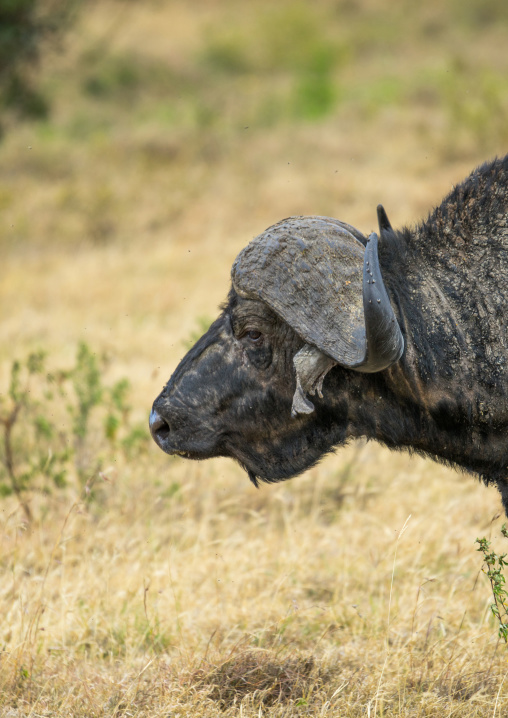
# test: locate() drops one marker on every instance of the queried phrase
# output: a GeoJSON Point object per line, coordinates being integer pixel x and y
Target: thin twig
{"type": "Point", "coordinates": [8, 424]}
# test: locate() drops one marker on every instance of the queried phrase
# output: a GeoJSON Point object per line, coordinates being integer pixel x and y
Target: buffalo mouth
{"type": "Point", "coordinates": [267, 463]}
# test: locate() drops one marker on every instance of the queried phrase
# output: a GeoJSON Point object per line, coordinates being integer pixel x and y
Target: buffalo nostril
{"type": "Point", "coordinates": [159, 427]}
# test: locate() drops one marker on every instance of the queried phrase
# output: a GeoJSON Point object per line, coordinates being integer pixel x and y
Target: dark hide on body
{"type": "Point", "coordinates": [447, 397]}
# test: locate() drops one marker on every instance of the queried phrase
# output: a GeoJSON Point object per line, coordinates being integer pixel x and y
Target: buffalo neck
{"type": "Point", "coordinates": [447, 396]}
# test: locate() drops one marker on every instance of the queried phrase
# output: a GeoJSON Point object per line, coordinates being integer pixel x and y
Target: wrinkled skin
{"type": "Point", "coordinates": [446, 398]}
{"type": "Point", "coordinates": [239, 371]}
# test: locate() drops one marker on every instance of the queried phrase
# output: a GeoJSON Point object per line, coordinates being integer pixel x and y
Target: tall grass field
{"type": "Point", "coordinates": [133, 584]}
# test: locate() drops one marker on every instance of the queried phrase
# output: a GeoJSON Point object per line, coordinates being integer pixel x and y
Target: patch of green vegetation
{"type": "Point", "coordinates": [25, 27]}
{"type": "Point", "coordinates": [474, 100]}
{"type": "Point", "coordinates": [293, 63]}
{"type": "Point", "coordinates": [477, 103]}
{"type": "Point", "coordinates": [494, 567]}
{"type": "Point", "coordinates": [120, 77]}
{"type": "Point", "coordinates": [173, 489]}
{"type": "Point", "coordinates": [314, 95]}
{"type": "Point", "coordinates": [155, 639]}
{"type": "Point", "coordinates": [60, 426]}
{"type": "Point", "coordinates": [294, 38]}
{"type": "Point", "coordinates": [287, 42]}
{"type": "Point", "coordinates": [480, 14]}
{"type": "Point", "coordinates": [380, 92]}
{"type": "Point", "coordinates": [226, 53]}
{"type": "Point", "coordinates": [84, 125]}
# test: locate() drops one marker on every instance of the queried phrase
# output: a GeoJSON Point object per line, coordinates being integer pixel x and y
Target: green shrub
{"type": "Point", "coordinates": [62, 426]}
{"type": "Point", "coordinates": [493, 567]}
{"type": "Point", "coordinates": [24, 26]}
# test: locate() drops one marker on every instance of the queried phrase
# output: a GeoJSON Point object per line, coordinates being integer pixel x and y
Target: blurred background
{"type": "Point", "coordinates": [142, 146]}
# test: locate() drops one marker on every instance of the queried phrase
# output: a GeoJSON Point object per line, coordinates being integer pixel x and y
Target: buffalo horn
{"type": "Point", "coordinates": [383, 346]}
{"type": "Point", "coordinates": [384, 341]}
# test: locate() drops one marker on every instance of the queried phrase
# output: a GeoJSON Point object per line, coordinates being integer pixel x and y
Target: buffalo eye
{"type": "Point", "coordinates": [254, 336]}
{"type": "Point", "coordinates": [257, 348]}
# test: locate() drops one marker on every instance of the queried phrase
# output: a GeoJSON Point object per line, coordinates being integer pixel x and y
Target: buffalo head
{"type": "Point", "coordinates": [307, 297]}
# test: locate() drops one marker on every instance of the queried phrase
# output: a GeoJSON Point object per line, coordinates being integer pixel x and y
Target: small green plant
{"type": "Point", "coordinates": [493, 568]}
{"type": "Point", "coordinates": [86, 381]}
{"type": "Point", "coordinates": [62, 425]}
{"type": "Point", "coordinates": [16, 475]}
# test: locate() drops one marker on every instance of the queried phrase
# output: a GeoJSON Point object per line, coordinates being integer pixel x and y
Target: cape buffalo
{"type": "Point", "coordinates": [400, 338]}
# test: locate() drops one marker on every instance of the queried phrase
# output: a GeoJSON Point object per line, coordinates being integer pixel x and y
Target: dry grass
{"type": "Point", "coordinates": [183, 591]}
{"type": "Point", "coordinates": [186, 591]}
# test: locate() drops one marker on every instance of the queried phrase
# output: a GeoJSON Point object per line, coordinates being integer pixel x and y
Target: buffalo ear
{"type": "Point", "coordinates": [311, 367]}
{"type": "Point", "coordinates": [383, 221]}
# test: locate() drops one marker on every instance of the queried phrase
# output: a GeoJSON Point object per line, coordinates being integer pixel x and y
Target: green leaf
{"type": "Point", "coordinates": [119, 393]}
{"type": "Point", "coordinates": [111, 425]}
{"type": "Point", "coordinates": [43, 427]}
{"type": "Point", "coordinates": [35, 362]}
